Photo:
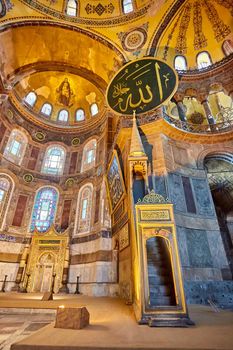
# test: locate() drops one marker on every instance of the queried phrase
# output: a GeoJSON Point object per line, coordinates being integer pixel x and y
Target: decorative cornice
{"type": "Point", "coordinates": [88, 22]}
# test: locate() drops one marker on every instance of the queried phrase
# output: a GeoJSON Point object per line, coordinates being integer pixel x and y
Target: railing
{"type": "Point", "coordinates": [224, 122]}
{"type": "Point", "coordinates": [207, 69]}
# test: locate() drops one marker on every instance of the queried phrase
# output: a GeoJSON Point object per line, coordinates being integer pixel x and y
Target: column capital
{"type": "Point", "coordinates": [178, 97]}
{"type": "Point", "coordinates": [202, 98]}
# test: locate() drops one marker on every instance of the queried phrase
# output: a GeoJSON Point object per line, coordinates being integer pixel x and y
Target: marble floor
{"type": "Point", "coordinates": [26, 323]}
{"type": "Point", "coordinates": [15, 327]}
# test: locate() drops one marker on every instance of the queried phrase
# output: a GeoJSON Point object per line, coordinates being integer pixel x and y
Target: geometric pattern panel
{"type": "Point", "coordinates": [202, 195]}
{"type": "Point", "coordinates": [198, 248]}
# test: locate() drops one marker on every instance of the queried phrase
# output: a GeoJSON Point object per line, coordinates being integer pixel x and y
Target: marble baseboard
{"type": "Point", "coordinates": [96, 289]}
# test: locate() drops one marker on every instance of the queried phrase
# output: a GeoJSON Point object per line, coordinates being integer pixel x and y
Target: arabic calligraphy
{"type": "Point", "coordinates": [141, 85]}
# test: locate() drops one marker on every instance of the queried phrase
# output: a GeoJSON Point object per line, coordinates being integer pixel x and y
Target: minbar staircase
{"type": "Point", "coordinates": [161, 286]}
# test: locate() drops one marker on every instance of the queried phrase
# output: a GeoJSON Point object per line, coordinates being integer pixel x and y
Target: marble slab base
{"type": "Point", "coordinates": [72, 318]}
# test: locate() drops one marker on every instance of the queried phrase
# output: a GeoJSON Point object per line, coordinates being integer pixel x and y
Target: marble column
{"type": "Point", "coordinates": [218, 103]}
{"type": "Point", "coordinates": [64, 288]}
{"type": "Point", "coordinates": [22, 266]}
{"type": "Point", "coordinates": [208, 112]}
{"type": "Point", "coordinates": [181, 111]}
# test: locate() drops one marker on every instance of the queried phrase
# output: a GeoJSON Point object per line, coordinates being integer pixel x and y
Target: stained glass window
{"type": "Point", "coordinates": [127, 6]}
{"type": "Point", "coordinates": [71, 8]}
{"type": "Point", "coordinates": [54, 160]}
{"type": "Point", "coordinates": [16, 147]}
{"type": "Point", "coordinates": [63, 115]}
{"type": "Point", "coordinates": [46, 109]}
{"type": "Point", "coordinates": [89, 155]}
{"type": "Point", "coordinates": [203, 60]}
{"type": "Point", "coordinates": [180, 63]}
{"type": "Point", "coordinates": [80, 115]}
{"type": "Point", "coordinates": [31, 98]}
{"type": "Point", "coordinates": [44, 209]}
{"type": "Point", "coordinates": [94, 109]}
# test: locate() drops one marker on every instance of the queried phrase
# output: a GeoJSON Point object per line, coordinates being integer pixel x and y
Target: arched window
{"type": "Point", "coordinates": [84, 208]}
{"type": "Point", "coordinates": [54, 160]}
{"type": "Point", "coordinates": [94, 109]}
{"type": "Point", "coordinates": [203, 60]}
{"type": "Point", "coordinates": [127, 6]}
{"type": "Point", "coordinates": [6, 187]}
{"type": "Point", "coordinates": [72, 8]}
{"type": "Point", "coordinates": [89, 155]}
{"type": "Point", "coordinates": [80, 115]}
{"type": "Point", "coordinates": [46, 109]}
{"type": "Point", "coordinates": [44, 209]}
{"type": "Point", "coordinates": [16, 147]}
{"type": "Point", "coordinates": [63, 115]}
{"type": "Point", "coordinates": [31, 98]}
{"type": "Point", "coordinates": [227, 47]}
{"type": "Point", "coordinates": [180, 63]}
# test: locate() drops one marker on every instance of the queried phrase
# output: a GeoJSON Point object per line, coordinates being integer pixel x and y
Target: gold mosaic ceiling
{"type": "Point", "coordinates": [199, 25]}
{"type": "Point", "coordinates": [37, 36]}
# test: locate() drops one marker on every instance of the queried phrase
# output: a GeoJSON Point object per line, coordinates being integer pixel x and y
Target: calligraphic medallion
{"type": "Point", "coordinates": [141, 85]}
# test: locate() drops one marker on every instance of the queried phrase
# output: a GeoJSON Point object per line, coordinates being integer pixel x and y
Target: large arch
{"type": "Point", "coordinates": [219, 169]}
{"type": "Point", "coordinates": [43, 42]}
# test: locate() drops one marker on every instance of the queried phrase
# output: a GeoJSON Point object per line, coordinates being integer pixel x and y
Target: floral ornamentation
{"type": "Point", "coordinates": [220, 29]}
{"type": "Point", "coordinates": [153, 198]}
{"type": "Point", "coordinates": [200, 40]}
{"type": "Point", "coordinates": [181, 44]}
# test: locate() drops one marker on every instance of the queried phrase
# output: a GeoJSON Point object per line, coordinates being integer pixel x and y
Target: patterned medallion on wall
{"type": "Point", "coordinates": [75, 141]}
{"type": "Point", "coordinates": [99, 9]}
{"type": "Point", "coordinates": [70, 182]}
{"type": "Point", "coordinates": [134, 39]}
{"type": "Point", "coordinates": [39, 136]}
{"type": "Point", "coordinates": [28, 178]}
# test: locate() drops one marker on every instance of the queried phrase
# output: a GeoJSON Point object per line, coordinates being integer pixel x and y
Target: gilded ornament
{"type": "Point", "coordinates": [153, 198]}
{"type": "Point", "coordinates": [134, 39]}
{"type": "Point", "coordinates": [40, 136]}
{"type": "Point", "coordinates": [70, 182]}
{"type": "Point", "coordinates": [28, 178]}
{"type": "Point", "coordinates": [75, 141]}
{"type": "Point", "coordinates": [9, 114]}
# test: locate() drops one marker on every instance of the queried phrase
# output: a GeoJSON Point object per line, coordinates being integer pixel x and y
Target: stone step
{"type": "Point", "coordinates": [161, 300]}
{"type": "Point", "coordinates": [159, 280]}
{"type": "Point", "coordinates": [156, 258]}
{"type": "Point", "coordinates": [157, 270]}
{"type": "Point", "coordinates": [160, 290]}
{"type": "Point", "coordinates": [159, 264]}
{"type": "Point", "coordinates": [157, 250]}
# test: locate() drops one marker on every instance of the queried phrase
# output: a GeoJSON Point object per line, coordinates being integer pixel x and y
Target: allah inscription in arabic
{"type": "Point", "coordinates": [141, 85]}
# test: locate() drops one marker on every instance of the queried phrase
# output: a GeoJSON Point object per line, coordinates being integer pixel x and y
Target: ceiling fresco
{"type": "Point", "coordinates": [62, 91]}
{"type": "Point", "coordinates": [38, 39]}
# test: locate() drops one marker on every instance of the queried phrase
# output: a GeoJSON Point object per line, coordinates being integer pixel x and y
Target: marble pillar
{"type": "Point", "coordinates": [181, 111]}
{"type": "Point", "coordinates": [208, 112]}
